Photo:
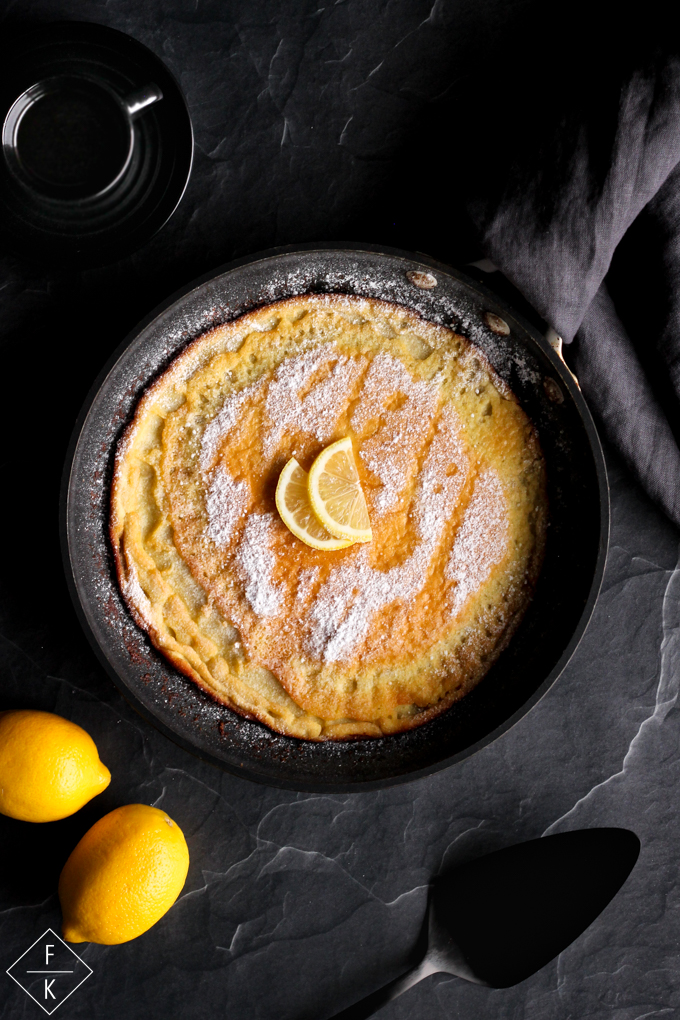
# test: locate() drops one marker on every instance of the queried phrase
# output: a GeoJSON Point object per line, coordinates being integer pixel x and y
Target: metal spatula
{"type": "Point", "coordinates": [498, 919]}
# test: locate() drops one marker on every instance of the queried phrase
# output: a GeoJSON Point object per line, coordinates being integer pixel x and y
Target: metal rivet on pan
{"type": "Point", "coordinates": [552, 390]}
{"type": "Point", "coordinates": [426, 281]}
{"type": "Point", "coordinates": [496, 324]}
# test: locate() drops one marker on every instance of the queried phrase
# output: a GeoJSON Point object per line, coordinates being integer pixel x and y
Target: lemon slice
{"type": "Point", "coordinates": [292, 502]}
{"type": "Point", "coordinates": [336, 495]}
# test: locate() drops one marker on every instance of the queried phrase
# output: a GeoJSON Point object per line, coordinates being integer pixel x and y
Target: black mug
{"type": "Point", "coordinates": [70, 138]}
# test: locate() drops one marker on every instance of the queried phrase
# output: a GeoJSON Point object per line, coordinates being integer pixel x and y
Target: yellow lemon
{"type": "Point", "coordinates": [292, 502]}
{"type": "Point", "coordinates": [336, 495]}
{"type": "Point", "coordinates": [125, 873]}
{"type": "Point", "coordinates": [49, 767]}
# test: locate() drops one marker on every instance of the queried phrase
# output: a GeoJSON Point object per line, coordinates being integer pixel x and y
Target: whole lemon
{"type": "Point", "coordinates": [125, 873]}
{"type": "Point", "coordinates": [49, 767]}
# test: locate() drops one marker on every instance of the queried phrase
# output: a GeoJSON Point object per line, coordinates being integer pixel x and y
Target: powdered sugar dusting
{"type": "Point", "coordinates": [341, 614]}
{"type": "Point", "coordinates": [482, 540]}
{"type": "Point", "coordinates": [222, 424]}
{"type": "Point", "coordinates": [442, 478]}
{"type": "Point", "coordinates": [315, 412]}
{"type": "Point", "coordinates": [227, 501]}
{"type": "Point", "coordinates": [256, 563]}
{"type": "Point", "coordinates": [306, 582]}
{"type": "Point", "coordinates": [390, 454]}
{"type": "Point", "coordinates": [134, 593]}
{"type": "Point", "coordinates": [344, 608]}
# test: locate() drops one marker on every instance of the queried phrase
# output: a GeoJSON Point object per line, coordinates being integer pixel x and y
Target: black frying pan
{"type": "Point", "coordinates": [566, 592]}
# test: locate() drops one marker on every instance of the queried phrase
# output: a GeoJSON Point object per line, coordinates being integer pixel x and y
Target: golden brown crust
{"type": "Point", "coordinates": [269, 646]}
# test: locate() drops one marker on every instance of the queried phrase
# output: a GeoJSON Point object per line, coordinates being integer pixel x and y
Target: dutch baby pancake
{"type": "Point", "coordinates": [330, 643]}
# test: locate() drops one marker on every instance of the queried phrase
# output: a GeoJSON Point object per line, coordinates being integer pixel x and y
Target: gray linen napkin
{"type": "Point", "coordinates": [593, 166]}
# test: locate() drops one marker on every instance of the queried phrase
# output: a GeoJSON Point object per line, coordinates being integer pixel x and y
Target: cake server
{"type": "Point", "coordinates": [497, 920]}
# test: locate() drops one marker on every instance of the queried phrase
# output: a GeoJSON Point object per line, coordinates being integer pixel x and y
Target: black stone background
{"type": "Point", "coordinates": [322, 122]}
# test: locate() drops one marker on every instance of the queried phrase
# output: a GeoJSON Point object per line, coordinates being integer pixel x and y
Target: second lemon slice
{"type": "Point", "coordinates": [336, 495]}
{"type": "Point", "coordinates": [292, 502]}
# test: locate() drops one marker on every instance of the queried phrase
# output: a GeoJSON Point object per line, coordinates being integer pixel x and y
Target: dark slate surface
{"type": "Point", "coordinates": [296, 904]}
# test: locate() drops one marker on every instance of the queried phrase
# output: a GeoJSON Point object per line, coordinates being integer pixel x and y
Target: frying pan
{"type": "Point", "coordinates": [566, 591]}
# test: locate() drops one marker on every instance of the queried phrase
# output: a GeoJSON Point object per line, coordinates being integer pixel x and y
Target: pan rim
{"type": "Point", "coordinates": [68, 538]}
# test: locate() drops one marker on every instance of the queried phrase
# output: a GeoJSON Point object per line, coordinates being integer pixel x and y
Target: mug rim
{"type": "Point", "coordinates": [13, 119]}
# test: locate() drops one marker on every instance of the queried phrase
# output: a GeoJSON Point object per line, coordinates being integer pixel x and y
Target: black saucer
{"type": "Point", "coordinates": [95, 232]}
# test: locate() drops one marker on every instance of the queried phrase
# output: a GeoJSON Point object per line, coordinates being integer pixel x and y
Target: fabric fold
{"type": "Point", "coordinates": [615, 384]}
{"type": "Point", "coordinates": [585, 160]}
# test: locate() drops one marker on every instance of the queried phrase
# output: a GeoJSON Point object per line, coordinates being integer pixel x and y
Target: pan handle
{"type": "Point", "coordinates": [555, 341]}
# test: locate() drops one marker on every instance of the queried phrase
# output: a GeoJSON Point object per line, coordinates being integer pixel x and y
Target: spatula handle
{"type": "Point", "coordinates": [376, 1000]}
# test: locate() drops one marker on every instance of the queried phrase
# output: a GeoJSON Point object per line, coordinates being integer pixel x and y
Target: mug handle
{"type": "Point", "coordinates": [139, 100]}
